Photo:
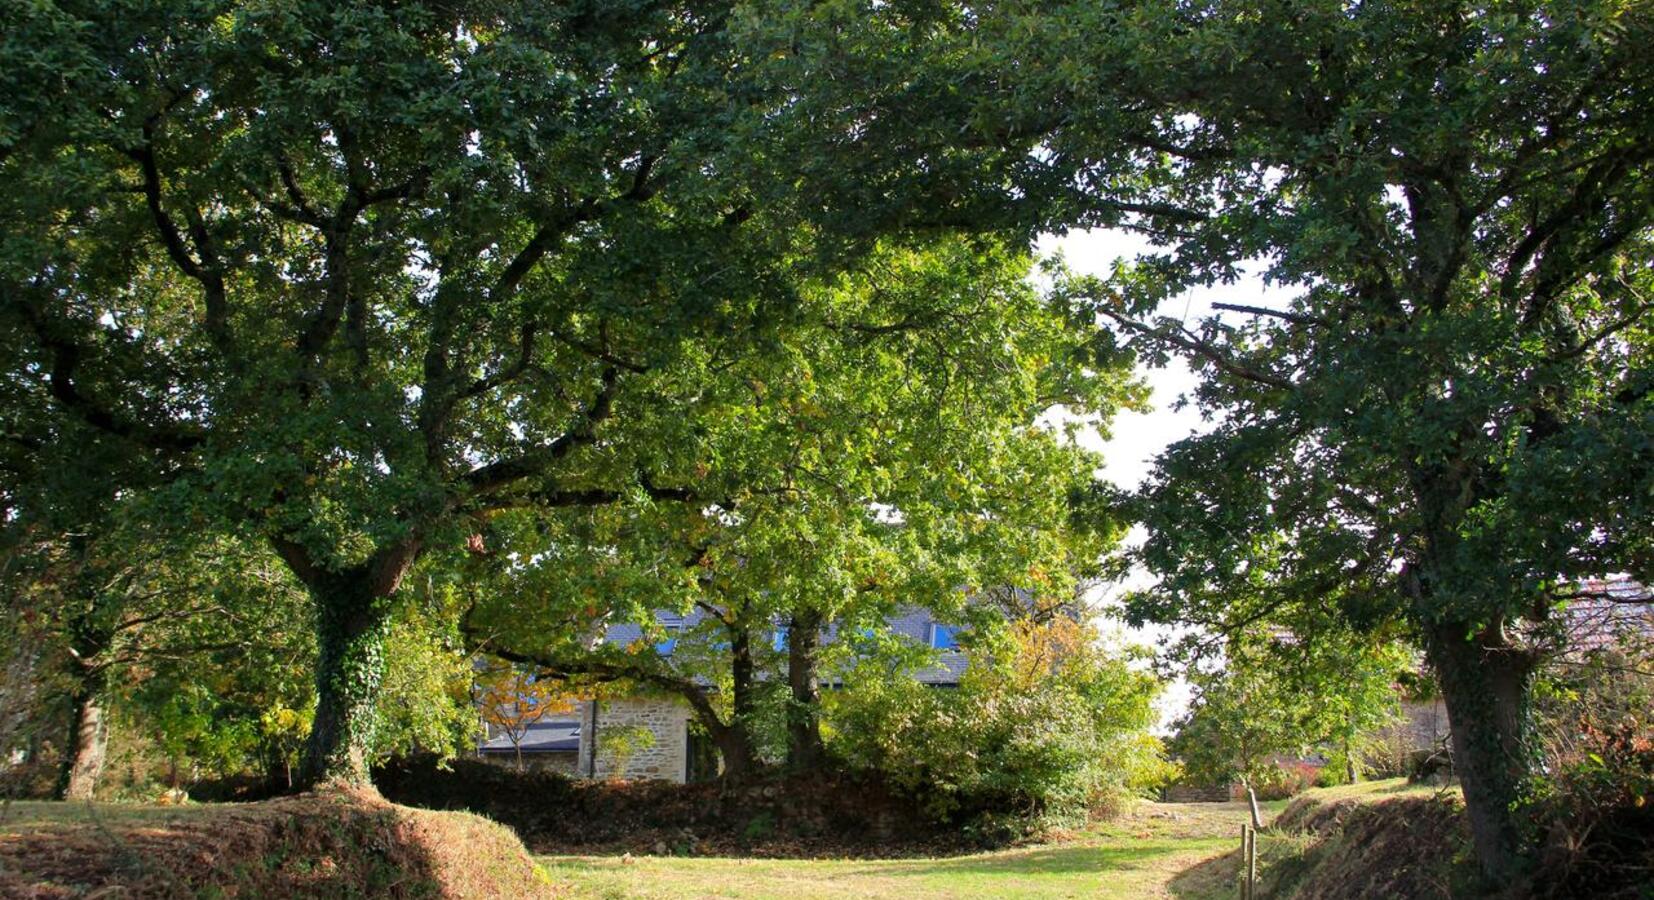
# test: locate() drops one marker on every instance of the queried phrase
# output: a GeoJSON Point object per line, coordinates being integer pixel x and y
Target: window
{"type": "Point", "coordinates": [779, 639]}
{"type": "Point", "coordinates": [944, 637]}
{"type": "Point", "coordinates": [665, 647]}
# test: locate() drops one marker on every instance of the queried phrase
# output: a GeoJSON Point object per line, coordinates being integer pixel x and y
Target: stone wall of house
{"type": "Point", "coordinates": [668, 720]}
{"type": "Point", "coordinates": [1425, 724]}
{"type": "Point", "coordinates": [1421, 726]}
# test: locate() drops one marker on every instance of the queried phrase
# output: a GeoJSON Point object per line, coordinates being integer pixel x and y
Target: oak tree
{"type": "Point", "coordinates": [350, 274]}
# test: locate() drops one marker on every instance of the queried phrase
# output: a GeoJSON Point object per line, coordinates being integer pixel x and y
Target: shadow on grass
{"type": "Point", "coordinates": [1051, 861]}
{"type": "Point", "coordinates": [1209, 878]}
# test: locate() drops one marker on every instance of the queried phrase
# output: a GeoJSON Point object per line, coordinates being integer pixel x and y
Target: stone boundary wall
{"type": "Point", "coordinates": [1197, 793]}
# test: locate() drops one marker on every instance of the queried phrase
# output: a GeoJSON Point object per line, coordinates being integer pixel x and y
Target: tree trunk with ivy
{"type": "Point", "coordinates": [352, 619]}
{"type": "Point", "coordinates": [350, 666]}
{"type": "Point", "coordinates": [1485, 682]}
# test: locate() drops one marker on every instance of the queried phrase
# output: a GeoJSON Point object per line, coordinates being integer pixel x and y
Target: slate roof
{"type": "Point", "coordinates": [629, 633]}
{"type": "Point", "coordinates": [541, 737]}
{"type": "Point", "coordinates": [914, 623]}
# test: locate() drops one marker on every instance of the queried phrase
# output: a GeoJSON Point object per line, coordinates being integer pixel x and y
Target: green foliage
{"type": "Point", "coordinates": [1449, 423]}
{"type": "Point", "coordinates": [886, 450]}
{"type": "Point", "coordinates": [619, 743]}
{"type": "Point", "coordinates": [425, 703]}
{"type": "Point", "coordinates": [1277, 697]}
{"type": "Point", "coordinates": [1591, 804]}
{"type": "Point", "coordinates": [1018, 743]}
{"type": "Point", "coordinates": [348, 276]}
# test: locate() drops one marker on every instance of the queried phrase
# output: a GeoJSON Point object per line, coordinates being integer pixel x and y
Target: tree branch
{"type": "Point", "coordinates": [1284, 315]}
{"type": "Point", "coordinates": [493, 476]}
{"type": "Point", "coordinates": [204, 271]}
{"type": "Point", "coordinates": [1187, 341]}
{"type": "Point", "coordinates": [66, 356]}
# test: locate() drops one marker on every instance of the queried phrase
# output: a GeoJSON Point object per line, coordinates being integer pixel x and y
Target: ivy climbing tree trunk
{"type": "Point", "coordinates": [1484, 683]}
{"type": "Point", "coordinates": [352, 617]}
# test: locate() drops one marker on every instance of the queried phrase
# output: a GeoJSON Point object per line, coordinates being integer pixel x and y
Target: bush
{"type": "Point", "coordinates": [1591, 807]}
{"type": "Point", "coordinates": [1018, 744]}
{"type": "Point", "coordinates": [1283, 780]}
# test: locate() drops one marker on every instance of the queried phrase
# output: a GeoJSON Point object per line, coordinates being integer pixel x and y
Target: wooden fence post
{"type": "Point", "coordinates": [1252, 866]}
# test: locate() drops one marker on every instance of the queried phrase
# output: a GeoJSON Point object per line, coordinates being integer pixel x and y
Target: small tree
{"type": "Point", "coordinates": [511, 698]}
{"type": "Point", "coordinates": [1271, 695]}
{"type": "Point", "coordinates": [620, 742]}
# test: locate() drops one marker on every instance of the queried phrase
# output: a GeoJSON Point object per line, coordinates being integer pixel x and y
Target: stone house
{"type": "Point", "coordinates": [576, 744]}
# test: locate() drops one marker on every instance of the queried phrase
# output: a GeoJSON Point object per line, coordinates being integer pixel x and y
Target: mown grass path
{"type": "Point", "coordinates": [1139, 855]}
{"type": "Point", "coordinates": [1178, 850]}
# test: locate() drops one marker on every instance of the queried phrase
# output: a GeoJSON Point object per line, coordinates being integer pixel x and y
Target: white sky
{"type": "Point", "coordinates": [1138, 438]}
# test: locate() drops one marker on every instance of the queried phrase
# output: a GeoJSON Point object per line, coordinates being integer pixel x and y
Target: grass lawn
{"type": "Point", "coordinates": [1155, 850]}
{"type": "Point", "coordinates": [1179, 850]}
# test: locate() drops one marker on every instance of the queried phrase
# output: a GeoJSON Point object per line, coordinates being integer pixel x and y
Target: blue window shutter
{"type": "Point", "coordinates": [779, 639]}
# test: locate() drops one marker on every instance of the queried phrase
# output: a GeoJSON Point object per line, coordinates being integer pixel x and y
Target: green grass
{"type": "Point", "coordinates": [1177, 850]}
{"type": "Point", "coordinates": [1155, 850]}
{"type": "Point", "coordinates": [1141, 869]}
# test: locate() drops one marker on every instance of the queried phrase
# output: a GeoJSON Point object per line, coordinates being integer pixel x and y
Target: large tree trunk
{"type": "Point", "coordinates": [1485, 684]}
{"type": "Point", "coordinates": [735, 743]}
{"type": "Point", "coordinates": [735, 748]}
{"type": "Point", "coordinates": [352, 617]}
{"type": "Point", "coordinates": [87, 743]}
{"type": "Point", "coordinates": [804, 749]}
{"type": "Point", "coordinates": [350, 665]}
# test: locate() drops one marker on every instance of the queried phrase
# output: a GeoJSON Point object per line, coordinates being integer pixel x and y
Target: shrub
{"type": "Point", "coordinates": [1591, 807]}
{"type": "Point", "coordinates": [1018, 744]}
{"type": "Point", "coordinates": [620, 742]}
{"type": "Point", "coordinates": [1281, 780]}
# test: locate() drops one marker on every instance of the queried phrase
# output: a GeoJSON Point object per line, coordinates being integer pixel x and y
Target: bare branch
{"type": "Point", "coordinates": [1184, 339]}
{"type": "Point", "coordinates": [1284, 315]}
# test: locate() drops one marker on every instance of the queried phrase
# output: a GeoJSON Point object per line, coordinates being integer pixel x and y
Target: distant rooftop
{"type": "Point", "coordinates": [1606, 610]}
{"type": "Point", "coordinates": [541, 737]}
{"type": "Point", "coordinates": [913, 623]}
